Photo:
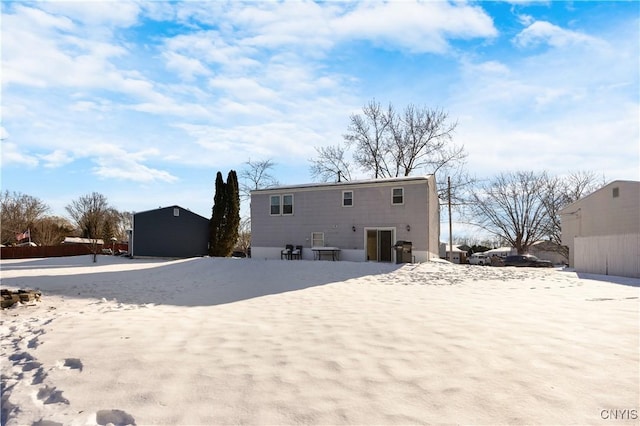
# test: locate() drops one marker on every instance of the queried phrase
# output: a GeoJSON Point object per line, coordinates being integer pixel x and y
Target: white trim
{"type": "Point", "coordinates": [272, 205]}
{"type": "Point", "coordinates": [343, 199]}
{"type": "Point", "coordinates": [313, 241]}
{"type": "Point", "coordinates": [393, 196]}
{"type": "Point", "coordinates": [283, 204]}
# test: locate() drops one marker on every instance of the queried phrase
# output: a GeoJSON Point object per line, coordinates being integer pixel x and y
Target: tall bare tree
{"type": "Point", "coordinates": [19, 212]}
{"type": "Point", "coordinates": [511, 207]}
{"type": "Point", "coordinates": [91, 212]}
{"type": "Point", "coordinates": [370, 136]}
{"type": "Point", "coordinates": [330, 164]}
{"type": "Point", "coordinates": [384, 143]}
{"type": "Point", "coordinates": [256, 175]}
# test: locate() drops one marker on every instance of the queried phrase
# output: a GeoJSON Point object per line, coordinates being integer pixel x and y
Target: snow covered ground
{"type": "Point", "coordinates": [245, 341]}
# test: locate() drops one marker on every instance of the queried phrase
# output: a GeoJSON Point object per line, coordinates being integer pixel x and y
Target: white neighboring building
{"type": "Point", "coordinates": [602, 230]}
{"type": "Point", "coordinates": [457, 255]}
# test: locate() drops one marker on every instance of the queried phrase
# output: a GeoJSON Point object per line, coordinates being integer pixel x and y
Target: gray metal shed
{"type": "Point", "coordinates": [169, 232]}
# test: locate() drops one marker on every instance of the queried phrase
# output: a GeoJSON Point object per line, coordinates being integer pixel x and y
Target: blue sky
{"type": "Point", "coordinates": [145, 101]}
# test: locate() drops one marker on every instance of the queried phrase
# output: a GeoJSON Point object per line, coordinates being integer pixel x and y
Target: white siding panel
{"type": "Point", "coordinates": [608, 255]}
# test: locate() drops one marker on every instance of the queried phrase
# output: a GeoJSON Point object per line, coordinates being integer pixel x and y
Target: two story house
{"type": "Point", "coordinates": [362, 219]}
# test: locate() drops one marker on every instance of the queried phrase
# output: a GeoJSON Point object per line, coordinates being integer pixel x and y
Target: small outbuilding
{"type": "Point", "coordinates": [173, 232]}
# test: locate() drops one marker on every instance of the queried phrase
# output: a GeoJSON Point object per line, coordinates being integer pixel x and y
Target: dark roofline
{"type": "Point", "coordinates": [327, 185]}
{"type": "Point", "coordinates": [170, 207]}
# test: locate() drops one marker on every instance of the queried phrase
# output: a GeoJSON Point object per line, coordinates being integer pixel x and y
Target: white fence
{"type": "Point", "coordinates": [608, 255]}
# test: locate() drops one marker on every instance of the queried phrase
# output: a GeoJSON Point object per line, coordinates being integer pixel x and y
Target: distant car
{"type": "Point", "coordinates": [479, 259]}
{"type": "Point", "coordinates": [527, 260]}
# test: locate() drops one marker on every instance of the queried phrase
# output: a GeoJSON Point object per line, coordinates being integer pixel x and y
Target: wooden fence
{"type": "Point", "coordinates": [51, 251]}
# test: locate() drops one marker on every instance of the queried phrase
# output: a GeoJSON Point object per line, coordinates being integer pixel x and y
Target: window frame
{"type": "Point", "coordinates": [271, 205]}
{"type": "Point", "coordinates": [282, 202]}
{"type": "Point", "coordinates": [345, 199]}
{"type": "Point", "coordinates": [393, 196]}
{"type": "Point", "coordinates": [314, 239]}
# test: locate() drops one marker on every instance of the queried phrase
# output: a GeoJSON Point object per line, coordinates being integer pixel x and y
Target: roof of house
{"type": "Point", "coordinates": [567, 209]}
{"type": "Point", "coordinates": [330, 185]}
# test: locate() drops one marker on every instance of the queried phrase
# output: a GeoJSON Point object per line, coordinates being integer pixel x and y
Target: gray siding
{"type": "Point", "coordinates": [319, 209]}
{"type": "Point", "coordinates": [158, 233]}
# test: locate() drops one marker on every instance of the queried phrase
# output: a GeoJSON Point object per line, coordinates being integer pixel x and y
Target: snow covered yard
{"type": "Point", "coordinates": [246, 341]}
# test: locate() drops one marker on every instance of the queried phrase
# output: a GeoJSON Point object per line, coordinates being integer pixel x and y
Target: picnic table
{"type": "Point", "coordinates": [318, 252]}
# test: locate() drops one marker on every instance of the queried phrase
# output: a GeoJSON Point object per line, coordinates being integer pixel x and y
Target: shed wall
{"type": "Point", "coordinates": [608, 255]}
{"type": "Point", "coordinates": [158, 233]}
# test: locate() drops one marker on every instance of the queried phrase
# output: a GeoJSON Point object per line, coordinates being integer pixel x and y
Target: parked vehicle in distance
{"type": "Point", "coordinates": [479, 259]}
{"type": "Point", "coordinates": [527, 260]}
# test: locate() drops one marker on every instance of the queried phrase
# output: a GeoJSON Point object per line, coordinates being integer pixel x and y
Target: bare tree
{"type": "Point", "coordinates": [421, 139]}
{"type": "Point", "coordinates": [562, 191]}
{"type": "Point", "coordinates": [386, 144]}
{"type": "Point", "coordinates": [511, 207]}
{"type": "Point", "coordinates": [91, 212]}
{"type": "Point", "coordinates": [244, 236]}
{"type": "Point", "coordinates": [257, 175]}
{"type": "Point", "coordinates": [369, 134]}
{"type": "Point", "coordinates": [51, 230]}
{"type": "Point", "coordinates": [330, 164]}
{"type": "Point", "coordinates": [18, 213]}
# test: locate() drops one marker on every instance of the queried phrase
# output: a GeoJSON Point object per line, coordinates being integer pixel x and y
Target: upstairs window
{"type": "Point", "coordinates": [176, 211]}
{"type": "Point", "coordinates": [287, 204]}
{"type": "Point", "coordinates": [281, 205]}
{"type": "Point", "coordinates": [275, 205]}
{"type": "Point", "coordinates": [616, 192]}
{"type": "Point", "coordinates": [347, 198]}
{"type": "Point", "coordinates": [397, 197]}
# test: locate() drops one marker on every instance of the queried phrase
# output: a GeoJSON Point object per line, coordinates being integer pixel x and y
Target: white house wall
{"type": "Point", "coordinates": [608, 255]}
{"type": "Point", "coordinates": [602, 214]}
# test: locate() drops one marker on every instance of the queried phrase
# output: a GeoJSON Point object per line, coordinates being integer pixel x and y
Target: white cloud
{"type": "Point", "coordinates": [187, 68]}
{"type": "Point", "coordinates": [13, 155]}
{"type": "Point", "coordinates": [96, 13]}
{"type": "Point", "coordinates": [127, 170]}
{"type": "Point", "coordinates": [243, 88]}
{"type": "Point", "coordinates": [542, 32]}
{"type": "Point", "coordinates": [57, 158]}
{"type": "Point", "coordinates": [415, 26]}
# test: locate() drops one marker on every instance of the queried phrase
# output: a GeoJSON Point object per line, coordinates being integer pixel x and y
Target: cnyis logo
{"type": "Point", "coordinates": [617, 414]}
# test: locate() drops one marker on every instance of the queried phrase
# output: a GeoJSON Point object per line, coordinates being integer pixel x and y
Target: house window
{"type": "Point", "coordinates": [398, 196]}
{"type": "Point", "coordinates": [616, 192]}
{"type": "Point", "coordinates": [176, 212]}
{"type": "Point", "coordinates": [317, 239]}
{"type": "Point", "coordinates": [275, 205]}
{"type": "Point", "coordinates": [347, 198]}
{"type": "Point", "coordinates": [287, 204]}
